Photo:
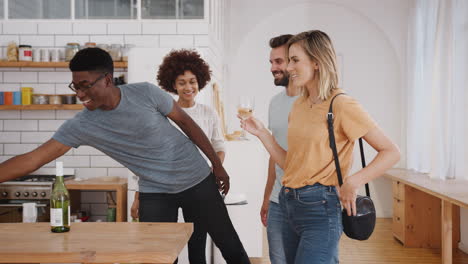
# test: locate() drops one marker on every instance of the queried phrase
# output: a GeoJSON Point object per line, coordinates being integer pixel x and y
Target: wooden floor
{"type": "Point", "coordinates": [382, 248]}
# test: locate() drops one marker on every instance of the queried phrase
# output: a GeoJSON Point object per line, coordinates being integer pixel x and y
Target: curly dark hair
{"type": "Point", "coordinates": [176, 63]}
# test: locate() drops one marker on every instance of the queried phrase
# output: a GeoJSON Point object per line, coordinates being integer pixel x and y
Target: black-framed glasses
{"type": "Point", "coordinates": [75, 87]}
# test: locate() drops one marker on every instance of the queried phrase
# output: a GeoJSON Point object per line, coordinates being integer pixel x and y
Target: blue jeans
{"type": "Point", "coordinates": [314, 224]}
{"type": "Point", "coordinates": [275, 223]}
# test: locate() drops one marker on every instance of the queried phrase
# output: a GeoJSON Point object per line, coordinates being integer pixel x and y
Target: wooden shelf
{"type": "Point", "coordinates": [42, 107]}
{"type": "Point", "coordinates": [61, 64]}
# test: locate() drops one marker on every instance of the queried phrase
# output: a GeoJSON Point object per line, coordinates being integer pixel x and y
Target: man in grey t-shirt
{"type": "Point", "coordinates": [130, 124]}
{"type": "Point", "coordinates": [278, 112]}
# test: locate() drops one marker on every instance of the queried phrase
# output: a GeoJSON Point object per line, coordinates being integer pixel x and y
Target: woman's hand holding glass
{"type": "Point", "coordinates": [253, 126]}
{"type": "Point", "coordinates": [245, 106]}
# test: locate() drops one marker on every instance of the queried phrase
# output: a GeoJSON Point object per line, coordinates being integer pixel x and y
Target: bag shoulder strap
{"type": "Point", "coordinates": [331, 135]}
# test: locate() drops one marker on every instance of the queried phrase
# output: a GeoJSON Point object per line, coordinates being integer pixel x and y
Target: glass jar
{"type": "Point", "coordinates": [103, 47]}
{"type": "Point", "coordinates": [70, 50]}
{"type": "Point", "coordinates": [90, 45]}
{"type": "Point", "coordinates": [25, 53]}
{"type": "Point", "coordinates": [126, 51]}
{"type": "Point", "coordinates": [116, 52]}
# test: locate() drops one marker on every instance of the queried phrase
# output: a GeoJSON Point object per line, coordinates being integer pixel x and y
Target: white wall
{"type": "Point", "coordinates": [370, 39]}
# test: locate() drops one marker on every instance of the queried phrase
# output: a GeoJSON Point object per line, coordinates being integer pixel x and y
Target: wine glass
{"type": "Point", "coordinates": [245, 106]}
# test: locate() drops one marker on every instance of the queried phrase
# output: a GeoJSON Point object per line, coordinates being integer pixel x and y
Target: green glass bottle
{"type": "Point", "coordinates": [59, 203]}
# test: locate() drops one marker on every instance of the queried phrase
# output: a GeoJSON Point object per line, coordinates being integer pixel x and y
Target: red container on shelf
{"type": "Point", "coordinates": [8, 98]}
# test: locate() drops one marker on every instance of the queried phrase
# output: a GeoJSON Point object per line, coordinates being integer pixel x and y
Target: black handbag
{"type": "Point", "coordinates": [361, 226]}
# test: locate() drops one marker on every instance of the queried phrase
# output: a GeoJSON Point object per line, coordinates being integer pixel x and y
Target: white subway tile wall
{"type": "Point", "coordinates": [10, 114]}
{"type": "Point", "coordinates": [54, 28]}
{"type": "Point", "coordinates": [198, 28]}
{"type": "Point", "coordinates": [19, 28]}
{"type": "Point", "coordinates": [87, 150]}
{"type": "Point", "coordinates": [35, 137]}
{"type": "Point", "coordinates": [66, 114]}
{"type": "Point", "coordinates": [107, 39]}
{"type": "Point", "coordinates": [148, 41]}
{"type": "Point", "coordinates": [37, 41]}
{"type": "Point", "coordinates": [50, 125]}
{"type": "Point", "coordinates": [104, 161]}
{"type": "Point", "coordinates": [18, 77]}
{"type": "Point", "coordinates": [38, 114]}
{"type": "Point", "coordinates": [55, 77]}
{"type": "Point", "coordinates": [89, 28]}
{"type": "Point", "coordinates": [87, 173]}
{"type": "Point", "coordinates": [10, 137]}
{"type": "Point", "coordinates": [176, 41]}
{"type": "Point", "coordinates": [22, 130]}
{"type": "Point", "coordinates": [19, 125]}
{"type": "Point", "coordinates": [17, 149]}
{"type": "Point", "coordinates": [157, 28]}
{"type": "Point", "coordinates": [62, 40]}
{"type": "Point", "coordinates": [130, 28]}
{"type": "Point", "coordinates": [5, 39]}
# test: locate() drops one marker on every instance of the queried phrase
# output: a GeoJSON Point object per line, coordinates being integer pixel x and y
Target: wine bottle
{"type": "Point", "coordinates": [59, 203]}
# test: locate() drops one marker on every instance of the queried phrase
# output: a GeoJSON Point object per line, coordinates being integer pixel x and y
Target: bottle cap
{"type": "Point", "coordinates": [59, 168]}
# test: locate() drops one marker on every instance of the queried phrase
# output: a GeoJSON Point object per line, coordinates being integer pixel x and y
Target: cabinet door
{"type": "Point", "coordinates": [1, 9]}
{"type": "Point", "coordinates": [172, 9]}
{"type": "Point", "coordinates": [102, 9]}
{"type": "Point", "coordinates": [39, 9]}
{"type": "Point", "coordinates": [398, 189]}
{"type": "Point", "coordinates": [398, 224]}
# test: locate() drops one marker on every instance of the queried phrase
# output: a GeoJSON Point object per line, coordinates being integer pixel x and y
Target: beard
{"type": "Point", "coordinates": [283, 81]}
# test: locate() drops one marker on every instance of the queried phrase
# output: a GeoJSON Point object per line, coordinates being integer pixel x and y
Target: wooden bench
{"type": "Point", "coordinates": [426, 212]}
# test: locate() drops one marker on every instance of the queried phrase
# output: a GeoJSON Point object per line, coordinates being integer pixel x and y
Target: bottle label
{"type": "Point", "coordinates": [56, 217]}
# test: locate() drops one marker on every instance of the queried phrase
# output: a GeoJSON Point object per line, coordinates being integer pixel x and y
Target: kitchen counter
{"type": "Point", "coordinates": [94, 243]}
{"type": "Point", "coordinates": [119, 185]}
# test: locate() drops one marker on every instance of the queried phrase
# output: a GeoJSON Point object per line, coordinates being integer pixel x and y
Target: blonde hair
{"type": "Point", "coordinates": [318, 46]}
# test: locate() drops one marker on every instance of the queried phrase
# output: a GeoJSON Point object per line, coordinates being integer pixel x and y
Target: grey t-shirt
{"type": "Point", "coordinates": [278, 113]}
{"type": "Point", "coordinates": [138, 134]}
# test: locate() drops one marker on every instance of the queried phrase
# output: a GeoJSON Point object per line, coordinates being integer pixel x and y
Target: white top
{"type": "Point", "coordinates": [207, 119]}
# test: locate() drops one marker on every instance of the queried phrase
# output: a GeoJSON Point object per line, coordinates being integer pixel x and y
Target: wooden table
{"type": "Point", "coordinates": [452, 194]}
{"type": "Point", "coordinates": [119, 185]}
{"type": "Point", "coordinates": [120, 242]}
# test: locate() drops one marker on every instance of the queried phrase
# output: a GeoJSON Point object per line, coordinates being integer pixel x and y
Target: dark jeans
{"type": "Point", "coordinates": [204, 206]}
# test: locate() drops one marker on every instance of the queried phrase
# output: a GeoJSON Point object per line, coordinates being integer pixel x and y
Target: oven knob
{"type": "Point", "coordinates": [4, 194]}
{"type": "Point", "coordinates": [34, 194]}
{"type": "Point", "coordinates": [43, 194]}
{"type": "Point", "coordinates": [17, 194]}
{"type": "Point", "coordinates": [26, 194]}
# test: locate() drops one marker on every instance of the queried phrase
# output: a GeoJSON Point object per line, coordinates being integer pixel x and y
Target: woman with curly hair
{"type": "Point", "coordinates": [184, 73]}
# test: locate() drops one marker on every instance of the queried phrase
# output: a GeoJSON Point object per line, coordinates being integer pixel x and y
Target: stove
{"type": "Point", "coordinates": [34, 188]}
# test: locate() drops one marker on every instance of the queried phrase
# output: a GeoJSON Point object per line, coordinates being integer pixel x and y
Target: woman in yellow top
{"type": "Point", "coordinates": [310, 198]}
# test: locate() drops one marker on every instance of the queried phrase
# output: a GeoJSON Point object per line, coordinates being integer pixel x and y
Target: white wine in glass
{"type": "Point", "coordinates": [245, 108]}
